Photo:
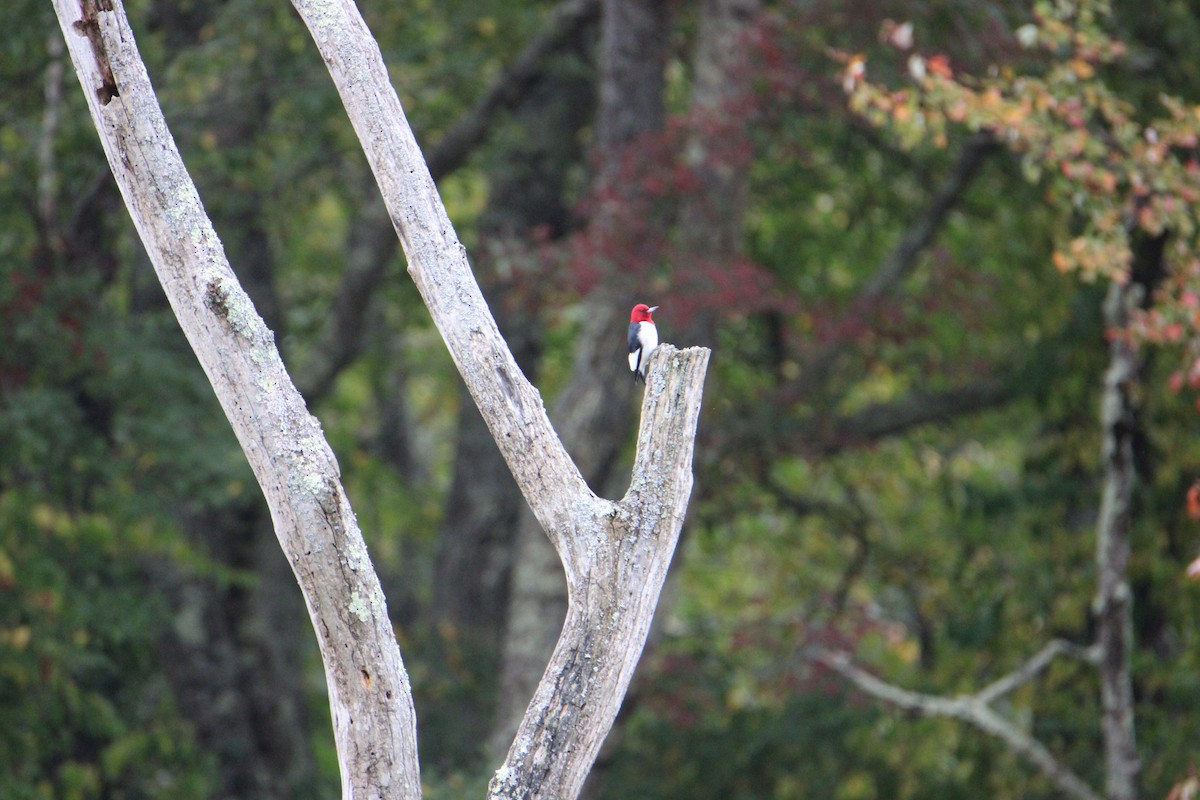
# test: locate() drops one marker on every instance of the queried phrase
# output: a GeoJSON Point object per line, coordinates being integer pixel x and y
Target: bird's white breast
{"type": "Point", "coordinates": [647, 336]}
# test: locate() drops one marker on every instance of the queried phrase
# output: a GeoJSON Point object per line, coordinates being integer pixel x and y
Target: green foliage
{"type": "Point", "coordinates": [85, 712]}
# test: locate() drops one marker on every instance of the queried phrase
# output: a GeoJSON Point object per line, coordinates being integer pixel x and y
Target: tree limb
{"type": "Point", "coordinates": [1033, 667]}
{"type": "Point", "coordinates": [972, 709]}
{"type": "Point", "coordinates": [919, 407]}
{"type": "Point", "coordinates": [437, 263]}
{"type": "Point", "coordinates": [826, 436]}
{"type": "Point", "coordinates": [564, 22]}
{"type": "Point", "coordinates": [369, 249]}
{"type": "Point", "coordinates": [373, 243]}
{"type": "Point", "coordinates": [369, 692]}
{"type": "Point", "coordinates": [1113, 603]}
{"type": "Point", "coordinates": [903, 257]}
{"type": "Point", "coordinates": [615, 555]}
{"type": "Point", "coordinates": [612, 595]}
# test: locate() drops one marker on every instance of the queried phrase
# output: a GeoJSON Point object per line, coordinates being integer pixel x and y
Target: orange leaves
{"type": "Point", "coordinates": [1075, 134]}
{"type": "Point", "coordinates": [1103, 254]}
{"type": "Point", "coordinates": [1193, 511]}
{"type": "Point", "coordinates": [1082, 69]}
{"type": "Point", "coordinates": [939, 65]}
{"type": "Point", "coordinates": [1115, 177]}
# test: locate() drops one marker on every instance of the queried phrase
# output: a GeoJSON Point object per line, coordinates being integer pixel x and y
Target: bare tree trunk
{"type": "Point", "coordinates": [477, 538]}
{"type": "Point", "coordinates": [718, 147]}
{"type": "Point", "coordinates": [370, 697]}
{"type": "Point", "coordinates": [1113, 604]}
{"type": "Point", "coordinates": [591, 415]}
{"type": "Point", "coordinates": [615, 555]}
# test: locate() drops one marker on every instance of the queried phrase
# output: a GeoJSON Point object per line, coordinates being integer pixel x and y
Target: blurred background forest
{"type": "Point", "coordinates": [901, 463]}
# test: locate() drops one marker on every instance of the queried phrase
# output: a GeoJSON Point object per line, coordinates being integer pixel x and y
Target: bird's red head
{"type": "Point", "coordinates": [642, 312]}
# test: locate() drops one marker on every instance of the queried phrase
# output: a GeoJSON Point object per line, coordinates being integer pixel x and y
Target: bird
{"type": "Point", "coordinates": [643, 338]}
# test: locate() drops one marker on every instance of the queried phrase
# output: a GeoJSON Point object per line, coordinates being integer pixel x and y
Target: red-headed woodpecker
{"type": "Point", "coordinates": [643, 338]}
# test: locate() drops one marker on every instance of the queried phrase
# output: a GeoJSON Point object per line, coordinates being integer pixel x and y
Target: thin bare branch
{"type": "Point", "coordinates": [369, 251]}
{"type": "Point", "coordinates": [965, 708]}
{"type": "Point", "coordinates": [903, 256]}
{"type": "Point", "coordinates": [1033, 667]}
{"type": "Point", "coordinates": [829, 436]}
{"type": "Point", "coordinates": [563, 23]}
{"type": "Point", "coordinates": [900, 262]}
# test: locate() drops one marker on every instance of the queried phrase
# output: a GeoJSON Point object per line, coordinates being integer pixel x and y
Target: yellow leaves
{"type": "Point", "coordinates": [1104, 255]}
{"type": "Point", "coordinates": [486, 27]}
{"type": "Point", "coordinates": [8, 571]}
{"type": "Point", "coordinates": [908, 650]}
{"type": "Point", "coordinates": [17, 638]}
{"type": "Point", "coordinates": [50, 519]}
{"type": "Point", "coordinates": [1082, 69]}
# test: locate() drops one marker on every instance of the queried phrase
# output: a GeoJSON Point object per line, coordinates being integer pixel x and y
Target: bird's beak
{"type": "Point", "coordinates": [652, 309]}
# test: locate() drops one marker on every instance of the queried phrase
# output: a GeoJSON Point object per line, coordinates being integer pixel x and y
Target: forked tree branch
{"type": "Point", "coordinates": [615, 555]}
{"type": "Point", "coordinates": [903, 258]}
{"type": "Point", "coordinates": [437, 262]}
{"type": "Point", "coordinates": [975, 709]}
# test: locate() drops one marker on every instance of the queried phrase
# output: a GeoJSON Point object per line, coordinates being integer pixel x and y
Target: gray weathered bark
{"type": "Point", "coordinates": [615, 555]}
{"type": "Point", "coordinates": [526, 192]}
{"type": "Point", "coordinates": [1113, 604]}
{"type": "Point", "coordinates": [368, 687]}
{"type": "Point", "coordinates": [590, 416]}
{"type": "Point", "coordinates": [613, 588]}
{"type": "Point", "coordinates": [976, 709]}
{"type": "Point", "coordinates": [1121, 432]}
{"type": "Point", "coordinates": [373, 242]}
